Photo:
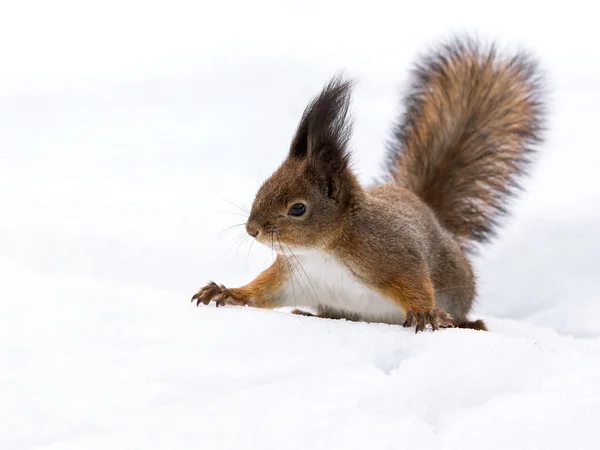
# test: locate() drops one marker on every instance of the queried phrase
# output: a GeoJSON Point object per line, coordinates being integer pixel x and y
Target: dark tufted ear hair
{"type": "Point", "coordinates": [324, 130]}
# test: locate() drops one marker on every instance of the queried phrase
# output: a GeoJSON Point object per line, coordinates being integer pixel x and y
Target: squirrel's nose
{"type": "Point", "coordinates": [252, 229]}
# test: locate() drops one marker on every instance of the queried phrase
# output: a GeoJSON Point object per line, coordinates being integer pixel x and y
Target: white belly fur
{"type": "Point", "coordinates": [322, 281]}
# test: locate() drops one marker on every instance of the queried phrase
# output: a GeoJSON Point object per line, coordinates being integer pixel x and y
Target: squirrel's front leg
{"type": "Point", "coordinates": [262, 292]}
{"type": "Point", "coordinates": [414, 293]}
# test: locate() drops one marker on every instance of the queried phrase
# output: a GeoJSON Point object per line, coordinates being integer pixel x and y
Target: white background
{"type": "Point", "coordinates": [125, 129]}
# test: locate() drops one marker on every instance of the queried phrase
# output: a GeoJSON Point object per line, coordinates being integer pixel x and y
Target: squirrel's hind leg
{"type": "Point", "coordinates": [329, 313]}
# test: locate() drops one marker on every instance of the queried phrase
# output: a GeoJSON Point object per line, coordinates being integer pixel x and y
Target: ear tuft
{"type": "Point", "coordinates": [325, 129]}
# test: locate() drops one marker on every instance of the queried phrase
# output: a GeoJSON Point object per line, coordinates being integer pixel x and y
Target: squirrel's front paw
{"type": "Point", "coordinates": [220, 295]}
{"type": "Point", "coordinates": [437, 318]}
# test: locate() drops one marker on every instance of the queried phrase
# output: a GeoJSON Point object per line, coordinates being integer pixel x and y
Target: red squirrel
{"type": "Point", "coordinates": [398, 251]}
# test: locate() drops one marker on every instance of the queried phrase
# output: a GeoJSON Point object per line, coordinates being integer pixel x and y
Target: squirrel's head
{"type": "Point", "coordinates": [305, 202]}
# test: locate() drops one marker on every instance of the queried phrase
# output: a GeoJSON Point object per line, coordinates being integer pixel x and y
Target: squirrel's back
{"type": "Point", "coordinates": [470, 125]}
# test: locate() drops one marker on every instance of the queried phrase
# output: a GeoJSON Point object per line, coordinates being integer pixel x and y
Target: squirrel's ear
{"type": "Point", "coordinates": [299, 147]}
{"type": "Point", "coordinates": [324, 130]}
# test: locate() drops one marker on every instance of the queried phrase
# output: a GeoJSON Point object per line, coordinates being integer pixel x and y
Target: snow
{"type": "Point", "coordinates": [125, 130]}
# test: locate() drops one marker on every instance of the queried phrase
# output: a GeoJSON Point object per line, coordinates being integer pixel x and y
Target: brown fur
{"type": "Point", "coordinates": [471, 122]}
{"type": "Point", "coordinates": [466, 136]}
{"type": "Point", "coordinates": [260, 292]}
{"type": "Point", "coordinates": [474, 325]}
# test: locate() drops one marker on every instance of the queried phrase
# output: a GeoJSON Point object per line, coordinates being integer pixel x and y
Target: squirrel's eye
{"type": "Point", "coordinates": [297, 210]}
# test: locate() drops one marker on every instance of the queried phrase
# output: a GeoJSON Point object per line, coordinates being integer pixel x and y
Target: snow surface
{"type": "Point", "coordinates": [125, 129]}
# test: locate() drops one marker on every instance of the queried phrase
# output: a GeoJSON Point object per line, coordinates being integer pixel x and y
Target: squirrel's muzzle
{"type": "Point", "coordinates": [252, 228]}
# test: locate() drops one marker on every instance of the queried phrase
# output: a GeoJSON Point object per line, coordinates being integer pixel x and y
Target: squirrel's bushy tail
{"type": "Point", "coordinates": [470, 124]}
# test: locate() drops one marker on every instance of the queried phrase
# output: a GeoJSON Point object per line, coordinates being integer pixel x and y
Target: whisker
{"type": "Point", "coordinates": [230, 228]}
{"type": "Point", "coordinates": [249, 249]}
{"type": "Point", "coordinates": [237, 205]}
{"type": "Point", "coordinates": [245, 215]}
{"type": "Point", "coordinates": [304, 271]}
{"type": "Point", "coordinates": [238, 243]}
{"type": "Point", "coordinates": [271, 241]}
{"type": "Point", "coordinates": [297, 276]}
{"type": "Point", "coordinates": [293, 264]}
{"type": "Point", "coordinates": [243, 241]}
{"type": "Point", "coordinates": [266, 244]}
{"type": "Point", "coordinates": [235, 242]}
{"type": "Point", "coordinates": [292, 276]}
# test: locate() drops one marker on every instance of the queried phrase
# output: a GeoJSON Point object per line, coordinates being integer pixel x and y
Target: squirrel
{"type": "Point", "coordinates": [397, 251]}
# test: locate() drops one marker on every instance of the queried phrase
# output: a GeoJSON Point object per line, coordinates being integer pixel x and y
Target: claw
{"type": "Point", "coordinates": [409, 320]}
{"type": "Point", "coordinates": [432, 319]}
{"type": "Point", "coordinates": [437, 318]}
{"type": "Point", "coordinates": [421, 323]}
{"type": "Point", "coordinates": [217, 293]}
